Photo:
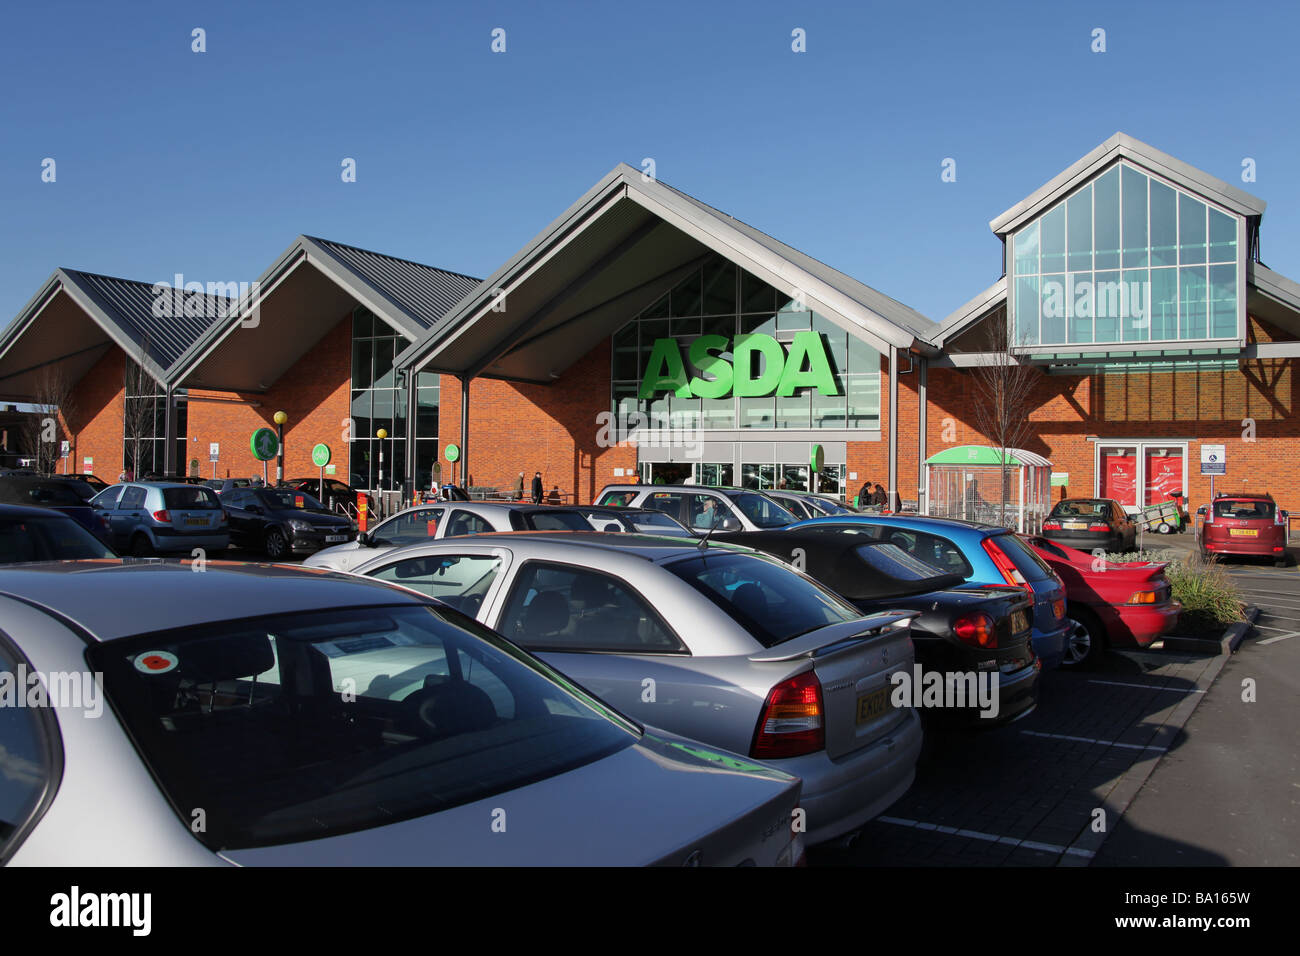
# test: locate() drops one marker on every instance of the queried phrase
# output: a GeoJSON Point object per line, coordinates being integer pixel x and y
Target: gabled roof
{"type": "Point", "coordinates": [129, 314]}
{"type": "Point", "coordinates": [1140, 154]}
{"type": "Point", "coordinates": [559, 295]}
{"type": "Point", "coordinates": [407, 296]}
{"type": "Point", "coordinates": [960, 320]}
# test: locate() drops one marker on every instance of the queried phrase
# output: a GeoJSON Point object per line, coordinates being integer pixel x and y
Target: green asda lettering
{"type": "Point", "coordinates": [759, 366]}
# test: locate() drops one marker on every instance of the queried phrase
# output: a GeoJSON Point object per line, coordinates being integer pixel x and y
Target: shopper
{"type": "Point", "coordinates": [519, 487]}
{"type": "Point", "coordinates": [537, 488]}
{"type": "Point", "coordinates": [878, 498]}
{"type": "Point", "coordinates": [864, 495]}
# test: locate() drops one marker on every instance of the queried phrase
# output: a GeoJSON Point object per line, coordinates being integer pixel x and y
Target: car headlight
{"type": "Point", "coordinates": [299, 525]}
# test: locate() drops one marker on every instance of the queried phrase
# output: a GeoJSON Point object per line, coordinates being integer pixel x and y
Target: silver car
{"type": "Point", "coordinates": [717, 643]}
{"type": "Point", "coordinates": [702, 507]}
{"type": "Point", "coordinates": [271, 715]}
{"type": "Point", "coordinates": [446, 519]}
{"type": "Point", "coordinates": [159, 517]}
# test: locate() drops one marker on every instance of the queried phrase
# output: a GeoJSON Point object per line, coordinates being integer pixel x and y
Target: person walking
{"type": "Point", "coordinates": [878, 498]}
{"type": "Point", "coordinates": [864, 495]}
{"type": "Point", "coordinates": [537, 488]}
{"type": "Point", "coordinates": [519, 487]}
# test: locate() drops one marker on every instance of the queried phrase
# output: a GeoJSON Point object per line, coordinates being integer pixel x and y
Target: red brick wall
{"type": "Point", "coordinates": [1207, 405]}
{"type": "Point", "coordinates": [315, 393]}
{"type": "Point", "coordinates": [547, 428]}
{"type": "Point", "coordinates": [98, 402]}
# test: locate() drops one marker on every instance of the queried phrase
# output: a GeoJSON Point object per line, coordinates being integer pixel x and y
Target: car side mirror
{"type": "Point", "coordinates": [1203, 509]}
{"type": "Point", "coordinates": [730, 524]}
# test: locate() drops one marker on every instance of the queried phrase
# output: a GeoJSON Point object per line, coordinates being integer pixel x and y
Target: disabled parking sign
{"type": "Point", "coordinates": [1214, 459]}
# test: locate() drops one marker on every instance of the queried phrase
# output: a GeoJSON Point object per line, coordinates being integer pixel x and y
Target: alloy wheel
{"type": "Point", "coordinates": [1079, 644]}
{"type": "Point", "coordinates": [276, 544]}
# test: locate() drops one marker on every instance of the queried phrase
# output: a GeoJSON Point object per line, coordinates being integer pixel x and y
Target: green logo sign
{"type": "Point", "coordinates": [452, 453]}
{"type": "Point", "coordinates": [320, 455]}
{"type": "Point", "coordinates": [805, 366]}
{"type": "Point", "coordinates": [264, 444]}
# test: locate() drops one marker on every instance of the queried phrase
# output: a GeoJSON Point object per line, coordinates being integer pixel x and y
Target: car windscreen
{"type": "Point", "coordinates": [289, 499]}
{"type": "Point", "coordinates": [826, 506]}
{"type": "Point", "coordinates": [306, 725]}
{"type": "Point", "coordinates": [771, 602]}
{"type": "Point", "coordinates": [656, 522]}
{"type": "Point", "coordinates": [763, 511]}
{"type": "Point", "coordinates": [1023, 557]}
{"type": "Point", "coordinates": [192, 498]}
{"type": "Point", "coordinates": [55, 538]}
{"type": "Point", "coordinates": [556, 521]}
{"type": "Point", "coordinates": [1244, 510]}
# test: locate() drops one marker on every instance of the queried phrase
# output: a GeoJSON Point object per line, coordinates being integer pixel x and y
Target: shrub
{"type": "Point", "coordinates": [1209, 597]}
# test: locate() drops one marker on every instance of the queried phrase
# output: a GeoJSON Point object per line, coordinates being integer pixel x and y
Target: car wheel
{"type": "Point", "coordinates": [276, 545]}
{"type": "Point", "coordinates": [1086, 642]}
{"type": "Point", "coordinates": [140, 547]}
{"type": "Point", "coordinates": [1280, 563]}
{"type": "Point", "coordinates": [1164, 527]}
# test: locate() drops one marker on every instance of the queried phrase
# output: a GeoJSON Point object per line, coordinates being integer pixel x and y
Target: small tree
{"type": "Point", "coordinates": [47, 429]}
{"type": "Point", "coordinates": [138, 409]}
{"type": "Point", "coordinates": [1003, 387]}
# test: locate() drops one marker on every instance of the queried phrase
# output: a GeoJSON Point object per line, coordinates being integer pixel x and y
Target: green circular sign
{"type": "Point", "coordinates": [452, 453]}
{"type": "Point", "coordinates": [818, 460]}
{"type": "Point", "coordinates": [264, 444]}
{"type": "Point", "coordinates": [320, 455]}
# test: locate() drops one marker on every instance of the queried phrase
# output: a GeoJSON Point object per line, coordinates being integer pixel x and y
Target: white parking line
{"type": "Point", "coordinates": [1092, 740]}
{"type": "Point", "coordinates": [1120, 683]}
{"type": "Point", "coordinates": [987, 837]}
{"type": "Point", "coordinates": [1280, 637]}
{"type": "Point", "coordinates": [1265, 627]}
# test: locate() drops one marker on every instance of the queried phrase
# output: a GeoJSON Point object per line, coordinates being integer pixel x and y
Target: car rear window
{"type": "Point", "coordinates": [288, 498]}
{"type": "Point", "coordinates": [48, 539]}
{"type": "Point", "coordinates": [1081, 509]}
{"type": "Point", "coordinates": [619, 499]}
{"type": "Point", "coordinates": [307, 725]}
{"type": "Point", "coordinates": [1023, 557]}
{"type": "Point", "coordinates": [1244, 510]}
{"type": "Point", "coordinates": [193, 498]}
{"type": "Point", "coordinates": [770, 601]}
{"type": "Point", "coordinates": [763, 511]}
{"type": "Point", "coordinates": [556, 521]}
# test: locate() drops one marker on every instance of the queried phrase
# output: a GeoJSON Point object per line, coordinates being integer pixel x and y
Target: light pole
{"type": "Point", "coordinates": [381, 435]}
{"type": "Point", "coordinates": [280, 418]}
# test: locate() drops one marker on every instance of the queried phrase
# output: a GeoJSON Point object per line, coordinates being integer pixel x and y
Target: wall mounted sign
{"type": "Point", "coordinates": [804, 365]}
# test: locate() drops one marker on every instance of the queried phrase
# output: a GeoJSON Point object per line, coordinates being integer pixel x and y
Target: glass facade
{"type": "Point", "coordinates": [144, 427]}
{"type": "Point", "coordinates": [1125, 259]}
{"type": "Point", "coordinates": [721, 300]}
{"type": "Point", "coordinates": [379, 401]}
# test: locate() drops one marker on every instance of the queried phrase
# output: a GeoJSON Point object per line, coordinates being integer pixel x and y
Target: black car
{"type": "Point", "coordinates": [38, 491]}
{"type": "Point", "coordinates": [281, 521]}
{"type": "Point", "coordinates": [40, 534]}
{"type": "Point", "coordinates": [1088, 523]}
{"type": "Point", "coordinates": [961, 631]}
{"type": "Point", "coordinates": [336, 495]}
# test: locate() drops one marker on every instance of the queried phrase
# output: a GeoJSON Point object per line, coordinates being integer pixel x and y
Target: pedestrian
{"type": "Point", "coordinates": [519, 487]}
{"type": "Point", "coordinates": [537, 488]}
{"type": "Point", "coordinates": [435, 490]}
{"type": "Point", "coordinates": [864, 495]}
{"type": "Point", "coordinates": [878, 498]}
{"type": "Point", "coordinates": [554, 497]}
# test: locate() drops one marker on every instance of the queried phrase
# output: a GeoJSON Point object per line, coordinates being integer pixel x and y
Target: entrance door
{"type": "Point", "coordinates": [1119, 474]}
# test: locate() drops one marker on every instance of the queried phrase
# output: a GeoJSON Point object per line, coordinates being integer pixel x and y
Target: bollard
{"type": "Point", "coordinates": [361, 513]}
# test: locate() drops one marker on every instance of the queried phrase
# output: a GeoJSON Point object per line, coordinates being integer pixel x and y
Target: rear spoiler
{"type": "Point", "coordinates": [834, 638]}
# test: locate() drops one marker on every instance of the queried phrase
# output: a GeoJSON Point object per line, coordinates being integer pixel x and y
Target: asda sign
{"type": "Point", "coordinates": [759, 366]}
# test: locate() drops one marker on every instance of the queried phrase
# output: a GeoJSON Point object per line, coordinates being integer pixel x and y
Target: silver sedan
{"type": "Point", "coordinates": [267, 715]}
{"type": "Point", "coordinates": [712, 642]}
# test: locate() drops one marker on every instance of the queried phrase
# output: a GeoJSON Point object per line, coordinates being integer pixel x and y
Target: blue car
{"type": "Point", "coordinates": [985, 555]}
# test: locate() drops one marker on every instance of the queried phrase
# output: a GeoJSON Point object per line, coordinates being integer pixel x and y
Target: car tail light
{"type": "Point", "coordinates": [1144, 597]}
{"type": "Point", "coordinates": [1277, 516]}
{"type": "Point", "coordinates": [1006, 567]}
{"type": "Point", "coordinates": [976, 630]}
{"type": "Point", "coordinates": [1058, 608]}
{"type": "Point", "coordinates": [791, 724]}
{"type": "Point", "coordinates": [1051, 526]}
{"type": "Point", "coordinates": [164, 516]}
{"type": "Point", "coordinates": [1098, 527]}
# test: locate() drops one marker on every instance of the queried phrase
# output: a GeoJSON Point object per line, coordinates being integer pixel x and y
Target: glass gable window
{"type": "Point", "coordinates": [721, 301]}
{"type": "Point", "coordinates": [1125, 258]}
{"type": "Point", "coordinates": [379, 400]}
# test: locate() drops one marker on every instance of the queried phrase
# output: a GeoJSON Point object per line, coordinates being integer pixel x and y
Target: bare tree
{"type": "Point", "coordinates": [138, 409]}
{"type": "Point", "coordinates": [1003, 387]}
{"type": "Point", "coordinates": [48, 428]}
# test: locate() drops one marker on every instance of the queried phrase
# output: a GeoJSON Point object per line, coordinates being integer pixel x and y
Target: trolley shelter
{"type": "Point", "coordinates": [970, 482]}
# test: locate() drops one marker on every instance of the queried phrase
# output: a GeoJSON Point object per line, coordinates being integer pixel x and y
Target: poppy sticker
{"type": "Point", "coordinates": [155, 662]}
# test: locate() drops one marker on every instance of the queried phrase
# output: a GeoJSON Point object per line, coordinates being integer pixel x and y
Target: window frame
{"type": "Point", "coordinates": [51, 740]}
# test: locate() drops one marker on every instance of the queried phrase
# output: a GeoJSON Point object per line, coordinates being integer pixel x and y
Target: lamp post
{"type": "Point", "coordinates": [381, 435]}
{"type": "Point", "coordinates": [280, 418]}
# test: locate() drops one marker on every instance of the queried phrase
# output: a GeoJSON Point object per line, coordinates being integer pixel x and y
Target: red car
{"type": "Point", "coordinates": [1113, 603]}
{"type": "Point", "coordinates": [1245, 525]}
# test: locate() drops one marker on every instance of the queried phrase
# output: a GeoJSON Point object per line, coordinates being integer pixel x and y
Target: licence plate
{"type": "Point", "coordinates": [873, 705]}
{"type": "Point", "coordinates": [1244, 532]}
{"type": "Point", "coordinates": [1076, 525]}
{"type": "Point", "coordinates": [194, 520]}
{"type": "Point", "coordinates": [331, 538]}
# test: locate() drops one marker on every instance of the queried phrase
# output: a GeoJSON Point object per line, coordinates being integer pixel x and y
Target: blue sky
{"type": "Point", "coordinates": [210, 164]}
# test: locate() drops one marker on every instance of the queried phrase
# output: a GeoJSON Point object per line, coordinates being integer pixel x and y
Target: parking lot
{"type": "Point", "coordinates": [1139, 738]}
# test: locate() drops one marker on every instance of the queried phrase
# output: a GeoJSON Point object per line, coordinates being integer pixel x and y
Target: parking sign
{"type": "Point", "coordinates": [1214, 459]}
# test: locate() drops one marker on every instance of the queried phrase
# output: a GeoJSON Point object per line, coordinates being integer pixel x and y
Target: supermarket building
{"type": "Point", "coordinates": [1130, 284]}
